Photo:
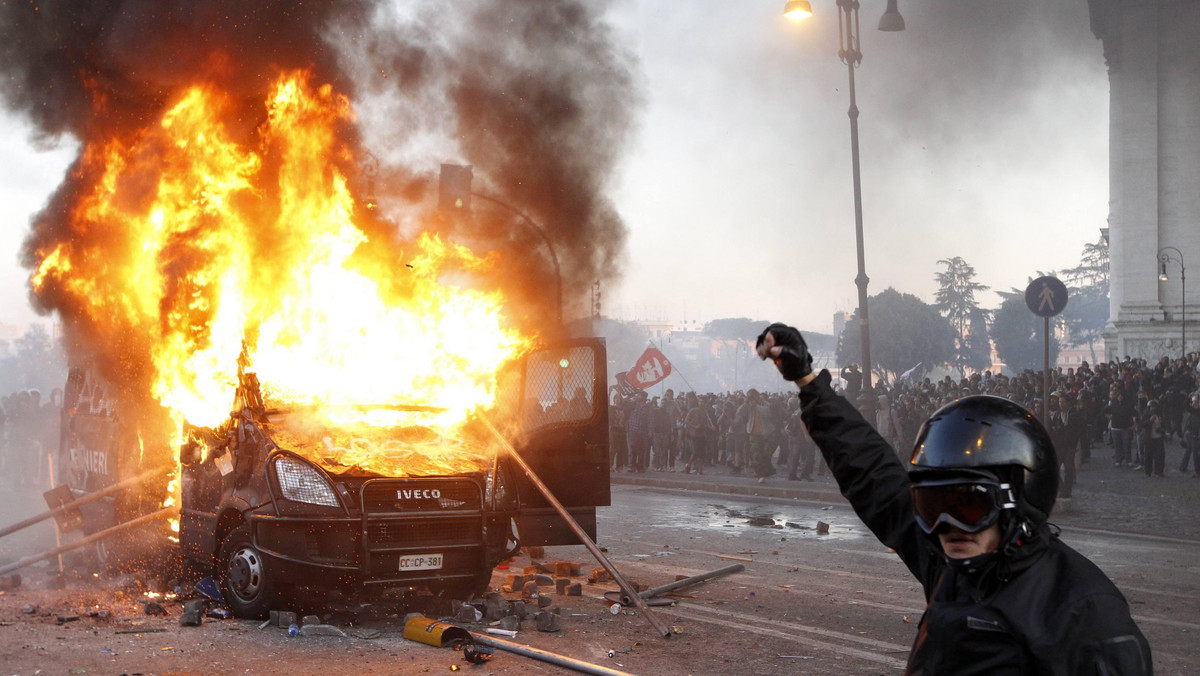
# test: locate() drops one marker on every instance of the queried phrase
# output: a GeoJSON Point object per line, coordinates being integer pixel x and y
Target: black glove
{"type": "Point", "coordinates": [785, 346]}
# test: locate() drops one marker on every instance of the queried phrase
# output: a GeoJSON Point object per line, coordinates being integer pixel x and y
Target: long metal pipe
{"type": "Point", "coordinates": [685, 582]}
{"type": "Point", "coordinates": [51, 553]}
{"type": "Point", "coordinates": [545, 656]}
{"type": "Point", "coordinates": [627, 588]}
{"type": "Point", "coordinates": [83, 500]}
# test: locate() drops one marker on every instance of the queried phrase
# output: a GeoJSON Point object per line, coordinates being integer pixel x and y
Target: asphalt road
{"type": "Point", "coordinates": [807, 602]}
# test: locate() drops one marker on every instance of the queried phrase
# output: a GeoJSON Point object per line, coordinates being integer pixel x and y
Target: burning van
{"type": "Point", "coordinates": [320, 375]}
{"type": "Point", "coordinates": [373, 498]}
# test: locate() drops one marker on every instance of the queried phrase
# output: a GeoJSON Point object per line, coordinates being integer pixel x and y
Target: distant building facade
{"type": "Point", "coordinates": [1152, 52]}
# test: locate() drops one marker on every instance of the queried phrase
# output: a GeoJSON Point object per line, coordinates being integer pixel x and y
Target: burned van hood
{"type": "Point", "coordinates": [362, 441]}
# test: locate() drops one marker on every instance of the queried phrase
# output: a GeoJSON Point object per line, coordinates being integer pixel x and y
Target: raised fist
{"type": "Point", "coordinates": [785, 346]}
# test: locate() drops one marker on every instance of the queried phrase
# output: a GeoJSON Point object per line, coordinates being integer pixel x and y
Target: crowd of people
{"type": "Point", "coordinates": [29, 429]}
{"type": "Point", "coordinates": [1131, 405]}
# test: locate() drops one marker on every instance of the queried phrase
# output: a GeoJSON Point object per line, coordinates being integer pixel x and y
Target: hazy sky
{"type": "Point", "coordinates": [983, 133]}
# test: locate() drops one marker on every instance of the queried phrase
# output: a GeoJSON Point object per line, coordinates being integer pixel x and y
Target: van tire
{"type": "Point", "coordinates": [247, 581]}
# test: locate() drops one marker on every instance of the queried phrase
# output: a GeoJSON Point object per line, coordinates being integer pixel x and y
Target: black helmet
{"type": "Point", "coordinates": [994, 435]}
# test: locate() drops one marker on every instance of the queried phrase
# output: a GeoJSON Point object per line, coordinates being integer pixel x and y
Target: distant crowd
{"type": "Point", "coordinates": [1132, 405]}
{"type": "Point", "coordinates": [29, 429]}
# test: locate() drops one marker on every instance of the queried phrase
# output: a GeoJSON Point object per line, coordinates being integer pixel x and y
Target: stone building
{"type": "Point", "coordinates": [1152, 51]}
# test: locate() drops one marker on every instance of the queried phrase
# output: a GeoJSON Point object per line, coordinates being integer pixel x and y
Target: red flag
{"type": "Point", "coordinates": [623, 386]}
{"type": "Point", "coordinates": [651, 368]}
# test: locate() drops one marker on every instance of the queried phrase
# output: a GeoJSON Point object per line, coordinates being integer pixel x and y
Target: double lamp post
{"type": "Point", "coordinates": [1164, 257]}
{"type": "Point", "coordinates": [850, 53]}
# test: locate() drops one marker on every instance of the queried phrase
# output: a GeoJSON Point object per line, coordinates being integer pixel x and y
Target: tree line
{"type": "Point", "coordinates": [954, 331]}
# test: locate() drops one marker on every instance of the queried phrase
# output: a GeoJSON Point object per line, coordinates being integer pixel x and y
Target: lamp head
{"type": "Point", "coordinates": [1162, 273]}
{"type": "Point", "coordinates": [797, 10]}
{"type": "Point", "coordinates": [891, 21]}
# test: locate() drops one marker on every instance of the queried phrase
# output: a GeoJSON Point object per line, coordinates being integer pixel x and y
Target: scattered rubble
{"type": "Point", "coordinates": [320, 630]}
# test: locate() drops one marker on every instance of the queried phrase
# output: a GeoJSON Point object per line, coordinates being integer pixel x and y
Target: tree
{"type": "Point", "coordinates": [1086, 313]}
{"type": "Point", "coordinates": [36, 361]}
{"type": "Point", "coordinates": [1017, 333]}
{"type": "Point", "coordinates": [905, 331]}
{"type": "Point", "coordinates": [977, 352]}
{"type": "Point", "coordinates": [956, 301]}
{"type": "Point", "coordinates": [735, 328]}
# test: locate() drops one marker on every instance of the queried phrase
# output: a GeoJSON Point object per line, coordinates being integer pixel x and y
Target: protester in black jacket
{"type": "Point", "coordinates": [968, 519]}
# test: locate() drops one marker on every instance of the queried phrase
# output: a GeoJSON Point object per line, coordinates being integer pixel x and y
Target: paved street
{"type": "Point", "coordinates": [807, 602]}
{"type": "Point", "coordinates": [1105, 497]}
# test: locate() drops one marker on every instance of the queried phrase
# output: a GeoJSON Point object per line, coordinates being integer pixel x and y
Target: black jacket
{"type": "Point", "coordinates": [1037, 607]}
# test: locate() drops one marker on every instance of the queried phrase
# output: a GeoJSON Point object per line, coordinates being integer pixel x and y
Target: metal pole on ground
{"type": "Point", "coordinates": [628, 589]}
{"type": "Point", "coordinates": [546, 656]}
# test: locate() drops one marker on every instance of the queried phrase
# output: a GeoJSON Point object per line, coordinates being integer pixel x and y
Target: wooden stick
{"type": "Point", "coordinates": [51, 553]}
{"type": "Point", "coordinates": [626, 588]}
{"type": "Point", "coordinates": [734, 558]}
{"type": "Point", "coordinates": [150, 473]}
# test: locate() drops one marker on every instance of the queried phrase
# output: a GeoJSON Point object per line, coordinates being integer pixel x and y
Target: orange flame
{"type": "Point", "coordinates": [211, 247]}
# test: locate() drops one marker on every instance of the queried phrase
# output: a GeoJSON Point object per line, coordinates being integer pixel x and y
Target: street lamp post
{"type": "Point", "coordinates": [1164, 255]}
{"type": "Point", "coordinates": [850, 53]}
{"type": "Point", "coordinates": [455, 193]}
{"type": "Point", "coordinates": [545, 240]}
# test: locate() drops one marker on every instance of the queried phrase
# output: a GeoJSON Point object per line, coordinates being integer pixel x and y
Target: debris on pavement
{"type": "Point", "coordinates": [432, 632]}
{"type": "Point", "coordinates": [321, 630]}
{"type": "Point", "coordinates": [477, 654]}
{"type": "Point", "coordinates": [208, 587]}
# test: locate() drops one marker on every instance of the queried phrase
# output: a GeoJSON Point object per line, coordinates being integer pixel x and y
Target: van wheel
{"type": "Point", "coordinates": [247, 582]}
{"type": "Point", "coordinates": [473, 588]}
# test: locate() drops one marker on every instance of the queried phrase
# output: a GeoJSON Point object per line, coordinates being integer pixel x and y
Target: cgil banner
{"type": "Point", "coordinates": [651, 368]}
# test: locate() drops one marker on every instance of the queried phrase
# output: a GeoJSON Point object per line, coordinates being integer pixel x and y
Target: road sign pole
{"type": "Point", "coordinates": [1046, 372]}
{"type": "Point", "coordinates": [1046, 297]}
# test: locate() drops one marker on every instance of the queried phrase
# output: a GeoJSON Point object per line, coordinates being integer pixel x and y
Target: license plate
{"type": "Point", "coordinates": [423, 562]}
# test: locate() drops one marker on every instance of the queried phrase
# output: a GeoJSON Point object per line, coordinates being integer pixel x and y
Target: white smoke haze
{"type": "Point", "coordinates": [983, 134]}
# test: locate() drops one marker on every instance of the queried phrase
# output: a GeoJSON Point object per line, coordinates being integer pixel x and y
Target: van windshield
{"type": "Point", "coordinates": [376, 441]}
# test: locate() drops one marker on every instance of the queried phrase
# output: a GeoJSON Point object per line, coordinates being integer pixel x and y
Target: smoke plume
{"type": "Point", "coordinates": [535, 94]}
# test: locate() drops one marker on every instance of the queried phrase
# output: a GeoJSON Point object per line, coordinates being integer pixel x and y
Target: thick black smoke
{"type": "Point", "coordinates": [535, 94]}
{"type": "Point", "coordinates": [539, 97]}
{"type": "Point", "coordinates": [83, 68]}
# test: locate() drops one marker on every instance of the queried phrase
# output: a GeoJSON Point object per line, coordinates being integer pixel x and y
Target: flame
{"type": "Point", "coordinates": [210, 247]}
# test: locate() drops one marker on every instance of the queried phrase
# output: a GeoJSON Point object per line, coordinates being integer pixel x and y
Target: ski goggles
{"type": "Point", "coordinates": [968, 504]}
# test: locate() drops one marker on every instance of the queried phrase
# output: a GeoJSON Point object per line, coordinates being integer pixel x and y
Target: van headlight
{"type": "Point", "coordinates": [501, 490]}
{"type": "Point", "coordinates": [301, 482]}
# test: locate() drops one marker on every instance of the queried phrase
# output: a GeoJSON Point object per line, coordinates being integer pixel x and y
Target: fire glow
{"type": "Point", "coordinates": [204, 244]}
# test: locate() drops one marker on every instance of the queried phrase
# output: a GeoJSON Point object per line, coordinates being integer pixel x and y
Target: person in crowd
{"type": "Point", "coordinates": [968, 513]}
{"type": "Point", "coordinates": [1154, 426]}
{"type": "Point", "coordinates": [1066, 429]}
{"type": "Point", "coordinates": [695, 424]}
{"type": "Point", "coordinates": [887, 423]}
{"type": "Point", "coordinates": [803, 449]}
{"type": "Point", "coordinates": [1191, 437]}
{"type": "Point", "coordinates": [661, 426]}
{"type": "Point", "coordinates": [759, 428]}
{"type": "Point", "coordinates": [23, 440]}
{"type": "Point", "coordinates": [5, 427]}
{"type": "Point", "coordinates": [1120, 423]}
{"type": "Point", "coordinates": [637, 432]}
{"type": "Point", "coordinates": [617, 442]}
{"type": "Point", "coordinates": [737, 434]}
